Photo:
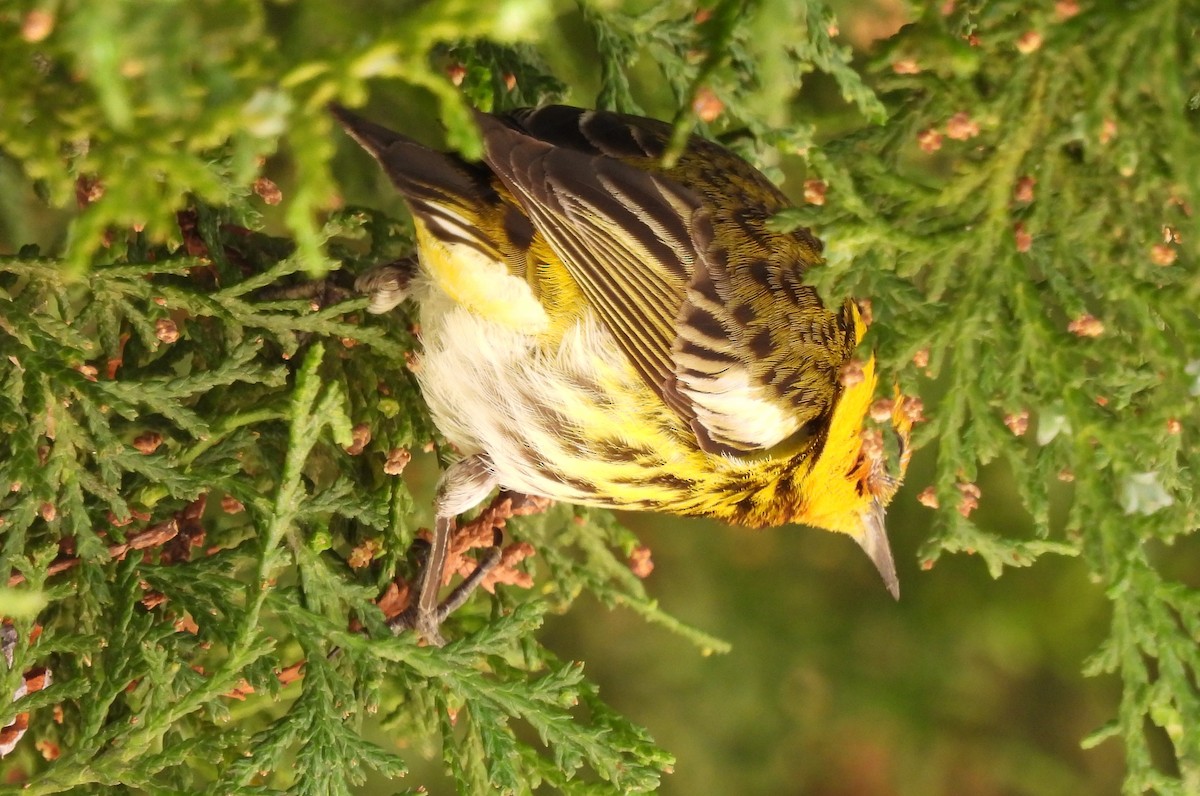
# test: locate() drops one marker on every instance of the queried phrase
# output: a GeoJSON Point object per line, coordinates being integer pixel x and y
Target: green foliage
{"type": "Point", "coordinates": [1023, 220]}
{"type": "Point", "coordinates": [1037, 259]}
{"type": "Point", "coordinates": [187, 351]}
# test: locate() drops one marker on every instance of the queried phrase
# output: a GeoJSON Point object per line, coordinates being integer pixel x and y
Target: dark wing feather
{"type": "Point", "coordinates": [709, 306]}
{"type": "Point", "coordinates": [444, 191]}
{"type": "Point", "coordinates": [680, 266]}
{"type": "Point", "coordinates": [622, 233]}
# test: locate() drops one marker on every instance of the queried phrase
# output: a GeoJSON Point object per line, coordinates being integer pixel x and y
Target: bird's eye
{"type": "Point", "coordinates": [857, 466]}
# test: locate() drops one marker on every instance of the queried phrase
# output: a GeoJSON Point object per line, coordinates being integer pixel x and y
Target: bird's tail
{"type": "Point", "coordinates": [445, 192]}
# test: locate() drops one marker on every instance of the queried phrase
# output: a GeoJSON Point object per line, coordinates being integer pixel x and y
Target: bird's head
{"type": "Point", "coordinates": [860, 466]}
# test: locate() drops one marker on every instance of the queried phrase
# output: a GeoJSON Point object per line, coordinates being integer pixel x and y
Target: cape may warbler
{"type": "Point", "coordinates": [604, 330]}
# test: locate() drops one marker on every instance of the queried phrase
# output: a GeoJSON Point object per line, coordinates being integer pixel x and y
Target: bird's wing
{"type": "Point", "coordinates": [449, 195]}
{"type": "Point", "coordinates": [622, 233]}
{"type": "Point", "coordinates": [641, 246]}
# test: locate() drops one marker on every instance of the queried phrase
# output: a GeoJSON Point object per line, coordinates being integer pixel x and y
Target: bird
{"type": "Point", "coordinates": [601, 328]}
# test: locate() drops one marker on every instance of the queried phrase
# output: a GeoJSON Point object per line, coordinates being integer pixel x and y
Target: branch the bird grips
{"type": "Point", "coordinates": [602, 330]}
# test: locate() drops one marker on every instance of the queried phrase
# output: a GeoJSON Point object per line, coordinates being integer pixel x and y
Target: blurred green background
{"type": "Point", "coordinates": [967, 685]}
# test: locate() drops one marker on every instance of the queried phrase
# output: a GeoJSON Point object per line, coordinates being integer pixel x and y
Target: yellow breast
{"type": "Point", "coordinates": [481, 284]}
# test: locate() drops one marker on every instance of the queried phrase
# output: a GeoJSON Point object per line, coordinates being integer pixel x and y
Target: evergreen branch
{"type": "Point", "coordinates": [1025, 219]}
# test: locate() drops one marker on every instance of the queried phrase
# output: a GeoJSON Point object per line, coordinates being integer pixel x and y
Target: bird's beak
{"type": "Point", "coordinates": [875, 542]}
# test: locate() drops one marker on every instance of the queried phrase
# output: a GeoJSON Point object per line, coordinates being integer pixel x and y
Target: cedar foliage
{"type": "Point", "coordinates": [1017, 191]}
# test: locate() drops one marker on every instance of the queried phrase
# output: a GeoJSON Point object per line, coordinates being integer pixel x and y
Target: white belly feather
{"type": "Point", "coordinates": [491, 389]}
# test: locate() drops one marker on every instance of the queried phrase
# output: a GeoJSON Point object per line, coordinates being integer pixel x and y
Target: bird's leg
{"type": "Point", "coordinates": [465, 484]}
{"type": "Point", "coordinates": [387, 285]}
{"type": "Point", "coordinates": [460, 593]}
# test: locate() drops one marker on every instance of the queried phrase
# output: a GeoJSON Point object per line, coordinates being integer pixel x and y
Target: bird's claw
{"type": "Point", "coordinates": [427, 624]}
